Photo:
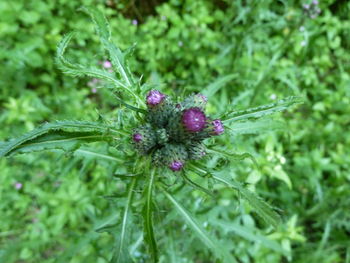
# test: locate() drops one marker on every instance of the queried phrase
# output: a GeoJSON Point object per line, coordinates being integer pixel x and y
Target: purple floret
{"type": "Point", "coordinates": [137, 137]}
{"type": "Point", "coordinates": [218, 127]}
{"type": "Point", "coordinates": [194, 120]}
{"type": "Point", "coordinates": [176, 166]}
{"type": "Point", "coordinates": [154, 97]}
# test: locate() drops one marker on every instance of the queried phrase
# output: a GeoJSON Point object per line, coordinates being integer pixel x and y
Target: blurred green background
{"type": "Point", "coordinates": [252, 52]}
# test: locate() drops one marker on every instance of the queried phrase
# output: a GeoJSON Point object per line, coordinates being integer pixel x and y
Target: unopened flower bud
{"type": "Point", "coordinates": [144, 139]}
{"type": "Point", "coordinates": [154, 98]}
{"type": "Point", "coordinates": [137, 137]}
{"type": "Point", "coordinates": [218, 127]}
{"type": "Point", "coordinates": [176, 166]}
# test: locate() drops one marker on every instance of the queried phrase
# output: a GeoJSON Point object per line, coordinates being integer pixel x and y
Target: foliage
{"type": "Point", "coordinates": [243, 54]}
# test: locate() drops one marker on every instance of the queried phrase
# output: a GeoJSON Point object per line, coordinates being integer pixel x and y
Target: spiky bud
{"type": "Point", "coordinates": [195, 101]}
{"type": "Point", "coordinates": [154, 97]}
{"type": "Point", "coordinates": [137, 137]}
{"type": "Point", "coordinates": [218, 127]}
{"type": "Point", "coordinates": [194, 120]}
{"type": "Point", "coordinates": [196, 151]}
{"type": "Point", "coordinates": [176, 166]}
{"type": "Point", "coordinates": [144, 138]}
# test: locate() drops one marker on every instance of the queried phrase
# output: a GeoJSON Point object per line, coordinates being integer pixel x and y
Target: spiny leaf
{"type": "Point", "coordinates": [117, 57]}
{"type": "Point", "coordinates": [258, 112]}
{"type": "Point", "coordinates": [253, 127]}
{"type": "Point", "coordinates": [148, 220]}
{"type": "Point", "coordinates": [263, 209]}
{"type": "Point", "coordinates": [101, 23]}
{"type": "Point", "coordinates": [202, 234]}
{"type": "Point", "coordinates": [122, 254]}
{"type": "Point", "coordinates": [59, 135]}
{"type": "Point", "coordinates": [80, 70]}
{"type": "Point", "coordinates": [234, 156]}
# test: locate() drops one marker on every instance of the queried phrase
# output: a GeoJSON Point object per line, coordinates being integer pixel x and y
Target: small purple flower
{"type": "Point", "coordinates": [163, 18]}
{"type": "Point", "coordinates": [194, 120]}
{"type": "Point", "coordinates": [137, 137]}
{"type": "Point", "coordinates": [134, 22]}
{"type": "Point", "coordinates": [154, 97]}
{"type": "Point", "coordinates": [218, 127]}
{"type": "Point", "coordinates": [94, 90]}
{"type": "Point", "coordinates": [315, 2]}
{"type": "Point", "coordinates": [180, 43]}
{"type": "Point", "coordinates": [107, 64]}
{"type": "Point", "coordinates": [176, 166]}
{"type": "Point", "coordinates": [18, 185]}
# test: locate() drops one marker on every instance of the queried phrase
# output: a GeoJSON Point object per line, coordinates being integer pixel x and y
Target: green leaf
{"type": "Point", "coordinates": [201, 233]}
{"type": "Point", "coordinates": [117, 57]}
{"type": "Point", "coordinates": [101, 23]}
{"type": "Point", "coordinates": [261, 111]}
{"type": "Point", "coordinates": [251, 236]}
{"type": "Point", "coordinates": [212, 88]}
{"type": "Point", "coordinates": [234, 156]}
{"type": "Point", "coordinates": [78, 70]}
{"type": "Point", "coordinates": [195, 185]}
{"type": "Point", "coordinates": [148, 220]}
{"type": "Point", "coordinates": [253, 127]}
{"type": "Point", "coordinates": [65, 135]}
{"type": "Point", "coordinates": [122, 254]}
{"type": "Point", "coordinates": [263, 209]}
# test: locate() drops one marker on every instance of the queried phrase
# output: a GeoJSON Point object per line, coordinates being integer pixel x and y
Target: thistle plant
{"type": "Point", "coordinates": [161, 138]}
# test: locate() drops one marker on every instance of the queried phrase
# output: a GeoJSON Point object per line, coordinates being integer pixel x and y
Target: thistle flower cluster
{"type": "Point", "coordinates": [174, 132]}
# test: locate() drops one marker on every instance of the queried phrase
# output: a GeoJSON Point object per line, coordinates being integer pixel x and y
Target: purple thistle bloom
{"type": "Point", "coordinates": [176, 166]}
{"type": "Point", "coordinates": [194, 120]}
{"type": "Point", "coordinates": [137, 137]}
{"type": "Point", "coordinates": [18, 185]}
{"type": "Point", "coordinates": [154, 97]}
{"type": "Point", "coordinates": [218, 127]}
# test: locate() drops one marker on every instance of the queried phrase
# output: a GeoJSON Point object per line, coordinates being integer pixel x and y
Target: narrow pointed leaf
{"type": "Point", "coordinates": [148, 219]}
{"type": "Point", "coordinates": [122, 254]}
{"type": "Point", "coordinates": [263, 209]}
{"type": "Point", "coordinates": [66, 135]}
{"type": "Point", "coordinates": [261, 111]}
{"type": "Point", "coordinates": [201, 233]}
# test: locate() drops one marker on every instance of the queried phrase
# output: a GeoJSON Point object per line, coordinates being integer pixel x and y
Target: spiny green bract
{"type": "Point", "coordinates": [174, 131]}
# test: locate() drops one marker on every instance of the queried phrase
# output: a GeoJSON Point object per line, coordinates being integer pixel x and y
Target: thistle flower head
{"type": "Point", "coordinates": [194, 120]}
{"type": "Point", "coordinates": [218, 127]}
{"type": "Point", "coordinates": [154, 97]}
{"type": "Point", "coordinates": [176, 166]}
